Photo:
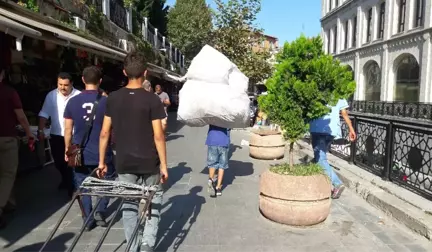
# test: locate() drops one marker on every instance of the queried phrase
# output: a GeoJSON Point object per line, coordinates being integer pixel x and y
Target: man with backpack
{"type": "Point", "coordinates": [83, 116]}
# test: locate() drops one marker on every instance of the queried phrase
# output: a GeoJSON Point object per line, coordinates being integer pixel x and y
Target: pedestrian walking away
{"type": "Point", "coordinates": [218, 143]}
{"type": "Point", "coordinates": [83, 116]}
{"type": "Point", "coordinates": [12, 113]}
{"type": "Point", "coordinates": [323, 131]}
{"type": "Point", "coordinates": [53, 108]}
{"type": "Point", "coordinates": [135, 117]}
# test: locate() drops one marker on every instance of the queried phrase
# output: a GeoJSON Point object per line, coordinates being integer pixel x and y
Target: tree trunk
{"type": "Point", "coordinates": [291, 155]}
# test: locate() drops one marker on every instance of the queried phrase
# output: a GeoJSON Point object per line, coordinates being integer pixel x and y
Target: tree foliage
{"type": "Point", "coordinates": [305, 81]}
{"type": "Point", "coordinates": [235, 35]}
{"type": "Point", "coordinates": [156, 11]}
{"type": "Point", "coordinates": [189, 26]}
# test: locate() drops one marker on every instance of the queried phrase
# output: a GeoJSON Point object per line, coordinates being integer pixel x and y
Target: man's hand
{"type": "Point", "coordinates": [101, 171]}
{"type": "Point", "coordinates": [66, 156]}
{"type": "Point", "coordinates": [41, 136]}
{"type": "Point", "coordinates": [164, 174]}
{"type": "Point", "coordinates": [352, 136]}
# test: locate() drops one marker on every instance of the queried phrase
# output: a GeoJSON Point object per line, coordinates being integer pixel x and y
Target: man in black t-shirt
{"type": "Point", "coordinates": [135, 117]}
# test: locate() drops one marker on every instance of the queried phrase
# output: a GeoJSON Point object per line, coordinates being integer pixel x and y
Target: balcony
{"type": "Point", "coordinates": [103, 21]}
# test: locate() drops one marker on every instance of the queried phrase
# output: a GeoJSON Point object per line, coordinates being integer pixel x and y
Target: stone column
{"type": "Point", "coordinates": [425, 65]}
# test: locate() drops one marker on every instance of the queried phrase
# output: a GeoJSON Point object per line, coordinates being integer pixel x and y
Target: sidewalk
{"type": "Point", "coordinates": [193, 221]}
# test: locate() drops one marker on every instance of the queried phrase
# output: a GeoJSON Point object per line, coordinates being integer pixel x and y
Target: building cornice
{"type": "Point", "coordinates": [333, 12]}
{"type": "Point", "coordinates": [395, 41]}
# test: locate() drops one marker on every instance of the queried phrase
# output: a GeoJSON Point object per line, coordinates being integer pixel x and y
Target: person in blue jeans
{"type": "Point", "coordinates": [323, 131]}
{"type": "Point", "coordinates": [218, 143]}
{"type": "Point", "coordinates": [76, 114]}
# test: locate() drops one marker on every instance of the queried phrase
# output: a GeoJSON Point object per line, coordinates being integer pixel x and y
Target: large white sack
{"type": "Point", "coordinates": [210, 65]}
{"type": "Point", "coordinates": [203, 103]}
{"type": "Point", "coordinates": [237, 80]}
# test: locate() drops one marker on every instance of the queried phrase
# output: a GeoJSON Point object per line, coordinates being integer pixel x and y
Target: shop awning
{"type": "Point", "coordinates": [64, 35]}
{"type": "Point", "coordinates": [16, 29]}
{"type": "Point", "coordinates": [164, 73]}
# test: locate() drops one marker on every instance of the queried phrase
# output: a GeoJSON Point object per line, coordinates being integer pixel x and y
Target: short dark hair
{"type": "Point", "coordinates": [134, 65]}
{"type": "Point", "coordinates": [64, 76]}
{"type": "Point", "coordinates": [92, 75]}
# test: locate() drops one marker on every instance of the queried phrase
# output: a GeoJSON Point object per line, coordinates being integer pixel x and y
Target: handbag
{"type": "Point", "coordinates": [74, 153]}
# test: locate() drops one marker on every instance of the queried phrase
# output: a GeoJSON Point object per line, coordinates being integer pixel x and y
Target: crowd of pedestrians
{"type": "Point", "coordinates": [137, 117]}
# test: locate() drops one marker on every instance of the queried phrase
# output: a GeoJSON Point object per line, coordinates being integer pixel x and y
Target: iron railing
{"type": "Point", "coordinates": [417, 110]}
{"type": "Point", "coordinates": [395, 149]}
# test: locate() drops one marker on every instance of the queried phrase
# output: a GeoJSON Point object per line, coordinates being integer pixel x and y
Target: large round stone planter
{"type": "Point", "coordinates": [266, 145]}
{"type": "Point", "coordinates": [295, 200]}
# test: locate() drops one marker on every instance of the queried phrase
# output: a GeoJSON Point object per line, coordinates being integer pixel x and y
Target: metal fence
{"type": "Point", "coordinates": [416, 110]}
{"type": "Point", "coordinates": [396, 149]}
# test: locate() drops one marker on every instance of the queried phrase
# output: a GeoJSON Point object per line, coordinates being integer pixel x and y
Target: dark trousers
{"type": "Point", "coordinates": [81, 173]}
{"type": "Point", "coordinates": [58, 153]}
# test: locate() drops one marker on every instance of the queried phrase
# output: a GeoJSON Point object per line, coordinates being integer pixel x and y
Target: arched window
{"type": "Point", "coordinates": [372, 74]}
{"type": "Point", "coordinates": [407, 80]}
{"type": "Point", "coordinates": [351, 98]}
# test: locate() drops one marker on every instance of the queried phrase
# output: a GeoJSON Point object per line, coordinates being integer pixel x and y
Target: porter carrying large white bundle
{"type": "Point", "coordinates": [214, 93]}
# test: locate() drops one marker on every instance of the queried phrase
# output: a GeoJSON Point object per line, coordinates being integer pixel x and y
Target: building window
{"type": "Point", "coordinates": [346, 35]}
{"type": "Point", "coordinates": [369, 26]}
{"type": "Point", "coordinates": [354, 32]}
{"type": "Point", "coordinates": [336, 3]}
{"type": "Point", "coordinates": [381, 21]}
{"type": "Point", "coordinates": [402, 11]}
{"type": "Point", "coordinates": [328, 41]}
{"type": "Point", "coordinates": [419, 14]}
{"type": "Point", "coordinates": [407, 79]}
{"type": "Point", "coordinates": [330, 5]}
{"type": "Point", "coordinates": [373, 81]}
{"type": "Point", "coordinates": [335, 39]}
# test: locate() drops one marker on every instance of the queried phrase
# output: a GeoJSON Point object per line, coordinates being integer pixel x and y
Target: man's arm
{"type": "Point", "coordinates": [104, 139]}
{"type": "Point", "coordinates": [68, 126]}
{"type": "Point", "coordinates": [22, 119]}
{"type": "Point", "coordinates": [167, 101]}
{"type": "Point", "coordinates": [345, 116]}
{"type": "Point", "coordinates": [159, 139]}
{"type": "Point", "coordinates": [44, 114]}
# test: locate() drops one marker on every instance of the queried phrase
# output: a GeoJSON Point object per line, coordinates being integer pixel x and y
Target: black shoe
{"type": "Point", "coordinates": [100, 219]}
{"type": "Point", "coordinates": [3, 222]}
{"type": "Point", "coordinates": [218, 191]}
{"type": "Point", "coordinates": [90, 226]}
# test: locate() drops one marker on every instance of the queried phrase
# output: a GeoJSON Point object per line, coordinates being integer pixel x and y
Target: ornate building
{"type": "Point", "coordinates": [387, 44]}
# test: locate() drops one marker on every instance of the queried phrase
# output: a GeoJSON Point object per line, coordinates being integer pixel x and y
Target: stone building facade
{"type": "Point", "coordinates": [386, 43]}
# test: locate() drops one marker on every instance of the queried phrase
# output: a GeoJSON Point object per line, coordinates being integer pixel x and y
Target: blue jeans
{"type": "Point", "coordinates": [321, 144]}
{"type": "Point", "coordinates": [217, 157]}
{"type": "Point", "coordinates": [86, 201]}
{"type": "Point", "coordinates": [130, 211]}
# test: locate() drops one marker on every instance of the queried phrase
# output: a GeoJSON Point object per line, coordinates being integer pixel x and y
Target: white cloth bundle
{"type": "Point", "coordinates": [214, 93]}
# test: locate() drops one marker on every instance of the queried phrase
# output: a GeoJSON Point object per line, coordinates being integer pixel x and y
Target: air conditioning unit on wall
{"type": "Point", "coordinates": [80, 23]}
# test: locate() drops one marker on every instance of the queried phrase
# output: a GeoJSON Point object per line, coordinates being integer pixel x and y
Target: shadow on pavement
{"type": "Point", "coordinates": [176, 174]}
{"type": "Point", "coordinates": [237, 169]}
{"type": "Point", "coordinates": [37, 200]}
{"type": "Point", "coordinates": [174, 126]}
{"type": "Point", "coordinates": [56, 244]}
{"type": "Point", "coordinates": [177, 221]}
{"type": "Point", "coordinates": [173, 137]}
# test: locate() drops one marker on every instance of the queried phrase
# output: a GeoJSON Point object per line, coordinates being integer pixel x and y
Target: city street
{"type": "Point", "coordinates": [193, 221]}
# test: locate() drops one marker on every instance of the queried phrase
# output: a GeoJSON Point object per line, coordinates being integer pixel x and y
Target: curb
{"type": "Point", "coordinates": [412, 210]}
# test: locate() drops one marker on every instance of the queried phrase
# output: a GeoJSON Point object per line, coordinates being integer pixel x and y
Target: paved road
{"type": "Point", "coordinates": [193, 221]}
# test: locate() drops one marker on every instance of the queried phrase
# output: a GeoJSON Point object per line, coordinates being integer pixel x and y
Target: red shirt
{"type": "Point", "coordinates": [9, 101]}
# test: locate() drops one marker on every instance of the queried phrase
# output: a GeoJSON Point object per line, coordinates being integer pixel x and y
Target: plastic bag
{"type": "Point", "coordinates": [211, 66]}
{"type": "Point", "coordinates": [203, 103]}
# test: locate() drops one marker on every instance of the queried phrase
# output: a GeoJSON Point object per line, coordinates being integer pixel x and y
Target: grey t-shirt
{"type": "Point", "coordinates": [163, 96]}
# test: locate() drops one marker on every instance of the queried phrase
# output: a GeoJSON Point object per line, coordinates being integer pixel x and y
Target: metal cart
{"type": "Point", "coordinates": [93, 186]}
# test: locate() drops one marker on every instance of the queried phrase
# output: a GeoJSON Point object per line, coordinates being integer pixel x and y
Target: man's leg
{"type": "Point", "coordinates": [58, 151]}
{"type": "Point", "coordinates": [130, 211]}
{"type": "Point", "coordinates": [222, 165]}
{"type": "Point", "coordinates": [86, 201]}
{"type": "Point", "coordinates": [212, 157]}
{"type": "Point", "coordinates": [152, 224]}
{"type": "Point", "coordinates": [165, 124]}
{"type": "Point", "coordinates": [8, 169]}
{"type": "Point", "coordinates": [101, 209]}
{"type": "Point", "coordinates": [321, 144]}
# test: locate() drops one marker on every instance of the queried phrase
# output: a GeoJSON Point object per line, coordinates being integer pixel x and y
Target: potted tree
{"type": "Point", "coordinates": [305, 82]}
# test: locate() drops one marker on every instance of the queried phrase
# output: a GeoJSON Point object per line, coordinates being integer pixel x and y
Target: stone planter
{"type": "Point", "coordinates": [295, 200]}
{"type": "Point", "coordinates": [266, 145]}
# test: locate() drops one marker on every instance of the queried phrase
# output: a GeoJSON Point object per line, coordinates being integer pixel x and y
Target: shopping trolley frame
{"type": "Point", "coordinates": [146, 193]}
